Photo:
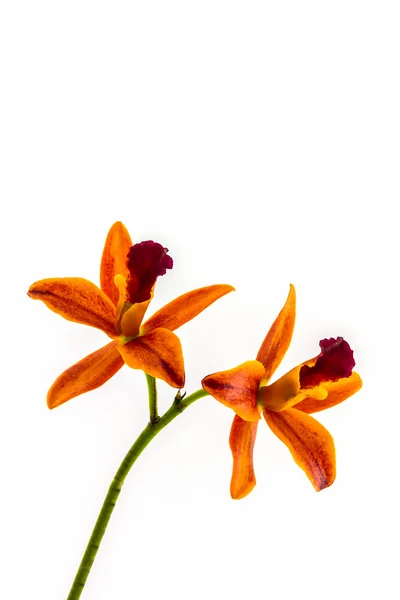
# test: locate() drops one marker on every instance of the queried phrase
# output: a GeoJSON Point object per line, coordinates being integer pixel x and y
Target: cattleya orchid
{"type": "Point", "coordinates": [286, 404]}
{"type": "Point", "coordinates": [128, 274]}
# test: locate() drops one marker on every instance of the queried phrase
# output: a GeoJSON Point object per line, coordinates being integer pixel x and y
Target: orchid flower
{"type": "Point", "coordinates": [286, 404]}
{"type": "Point", "coordinates": [128, 274]}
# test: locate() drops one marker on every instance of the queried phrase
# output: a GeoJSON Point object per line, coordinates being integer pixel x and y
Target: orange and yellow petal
{"type": "Point", "coordinates": [278, 339]}
{"type": "Point", "coordinates": [113, 260]}
{"type": "Point", "coordinates": [86, 375]}
{"type": "Point", "coordinates": [310, 444]}
{"type": "Point", "coordinates": [237, 388]}
{"type": "Point", "coordinates": [286, 392]}
{"type": "Point", "coordinates": [77, 300]}
{"type": "Point", "coordinates": [159, 353]}
{"type": "Point", "coordinates": [338, 391]}
{"type": "Point", "coordinates": [241, 440]}
{"type": "Point", "coordinates": [185, 307]}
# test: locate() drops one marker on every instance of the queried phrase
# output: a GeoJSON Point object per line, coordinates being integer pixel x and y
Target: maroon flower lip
{"type": "Point", "coordinates": [145, 261]}
{"type": "Point", "coordinates": [335, 362]}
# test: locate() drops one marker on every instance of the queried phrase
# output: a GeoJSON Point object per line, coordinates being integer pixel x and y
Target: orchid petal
{"type": "Point", "coordinates": [145, 262]}
{"type": "Point", "coordinates": [278, 339]}
{"type": "Point", "coordinates": [88, 374]}
{"type": "Point", "coordinates": [310, 444]}
{"type": "Point", "coordinates": [241, 440]}
{"type": "Point", "coordinates": [77, 300]}
{"type": "Point", "coordinates": [335, 361]}
{"type": "Point", "coordinates": [338, 391]}
{"type": "Point", "coordinates": [237, 388]}
{"type": "Point", "coordinates": [113, 261]}
{"type": "Point", "coordinates": [158, 353]}
{"type": "Point", "coordinates": [185, 307]}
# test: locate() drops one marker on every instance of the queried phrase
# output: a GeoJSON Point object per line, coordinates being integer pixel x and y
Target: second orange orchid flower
{"type": "Point", "coordinates": [128, 274]}
{"type": "Point", "coordinates": [317, 384]}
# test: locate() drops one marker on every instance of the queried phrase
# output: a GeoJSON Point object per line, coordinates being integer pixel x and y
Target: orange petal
{"type": "Point", "coordinates": [241, 441]}
{"type": "Point", "coordinates": [338, 391]}
{"type": "Point", "coordinates": [113, 261]}
{"type": "Point", "coordinates": [309, 442]}
{"type": "Point", "coordinates": [237, 388]}
{"type": "Point", "coordinates": [185, 307]}
{"type": "Point", "coordinates": [158, 353]}
{"type": "Point", "coordinates": [88, 374]}
{"type": "Point", "coordinates": [278, 339]}
{"type": "Point", "coordinates": [77, 300]}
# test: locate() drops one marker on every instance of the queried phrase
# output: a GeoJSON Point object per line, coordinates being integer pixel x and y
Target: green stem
{"type": "Point", "coordinates": [153, 406]}
{"type": "Point", "coordinates": [179, 405]}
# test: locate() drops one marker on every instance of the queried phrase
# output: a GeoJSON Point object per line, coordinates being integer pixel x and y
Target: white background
{"type": "Point", "coordinates": [259, 142]}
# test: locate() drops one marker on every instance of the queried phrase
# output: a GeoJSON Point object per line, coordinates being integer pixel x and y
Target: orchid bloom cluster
{"type": "Point", "coordinates": [128, 275]}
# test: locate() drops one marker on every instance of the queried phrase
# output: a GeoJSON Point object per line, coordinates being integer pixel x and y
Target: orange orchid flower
{"type": "Point", "coordinates": [286, 404]}
{"type": "Point", "coordinates": [128, 274]}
